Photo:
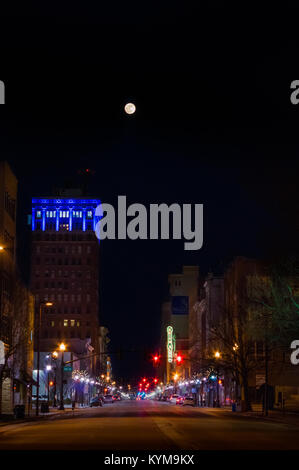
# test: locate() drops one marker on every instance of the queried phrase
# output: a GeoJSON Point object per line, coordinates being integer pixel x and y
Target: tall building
{"type": "Point", "coordinates": [65, 272]}
{"type": "Point", "coordinates": [176, 311]}
{"type": "Point", "coordinates": [8, 201]}
{"type": "Point", "coordinates": [16, 306]}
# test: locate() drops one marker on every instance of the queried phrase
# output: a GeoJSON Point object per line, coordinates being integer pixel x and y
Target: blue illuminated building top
{"type": "Point", "coordinates": [65, 214]}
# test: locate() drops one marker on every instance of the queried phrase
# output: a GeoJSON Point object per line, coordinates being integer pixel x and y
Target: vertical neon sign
{"type": "Point", "coordinates": [169, 330]}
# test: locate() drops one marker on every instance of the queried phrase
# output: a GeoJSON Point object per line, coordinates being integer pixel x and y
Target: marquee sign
{"type": "Point", "coordinates": [169, 330]}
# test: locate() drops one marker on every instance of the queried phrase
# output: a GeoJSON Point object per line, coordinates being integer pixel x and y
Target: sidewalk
{"type": "Point", "coordinates": [11, 420]}
{"type": "Point", "coordinates": [287, 417]}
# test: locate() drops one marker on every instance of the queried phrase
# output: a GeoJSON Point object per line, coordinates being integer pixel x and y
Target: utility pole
{"type": "Point", "coordinates": [61, 383]}
{"type": "Point", "coordinates": [266, 368]}
{"type": "Point", "coordinates": [38, 357]}
{"type": "Point", "coordinates": [48, 304]}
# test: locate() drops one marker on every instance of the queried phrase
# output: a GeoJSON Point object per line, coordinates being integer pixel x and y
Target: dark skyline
{"type": "Point", "coordinates": [214, 125]}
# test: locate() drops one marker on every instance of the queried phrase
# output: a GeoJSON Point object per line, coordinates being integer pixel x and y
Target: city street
{"type": "Point", "coordinates": [149, 425]}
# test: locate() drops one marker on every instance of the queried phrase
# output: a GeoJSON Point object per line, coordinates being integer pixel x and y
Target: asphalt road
{"type": "Point", "coordinates": [149, 425]}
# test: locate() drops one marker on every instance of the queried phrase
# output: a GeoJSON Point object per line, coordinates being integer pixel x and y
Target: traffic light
{"type": "Point", "coordinates": [156, 359]}
{"type": "Point", "coordinates": [155, 380]}
{"type": "Point", "coordinates": [179, 359]}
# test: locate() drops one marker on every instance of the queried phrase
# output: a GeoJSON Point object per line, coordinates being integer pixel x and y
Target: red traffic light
{"type": "Point", "coordinates": [155, 380]}
{"type": "Point", "coordinates": [144, 380]}
{"type": "Point", "coordinates": [179, 358]}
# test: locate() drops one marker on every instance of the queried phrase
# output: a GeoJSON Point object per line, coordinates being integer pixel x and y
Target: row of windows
{"type": "Point", "coordinates": [10, 205]}
{"type": "Point", "coordinates": [64, 249]}
{"type": "Point", "coordinates": [67, 323]}
{"type": "Point", "coordinates": [54, 274]}
{"type": "Point", "coordinates": [59, 285]}
{"type": "Point", "coordinates": [66, 334]}
{"type": "Point", "coordinates": [65, 297]}
{"type": "Point", "coordinates": [65, 261]}
{"type": "Point", "coordinates": [63, 214]}
{"type": "Point", "coordinates": [68, 310]}
{"type": "Point", "coordinates": [71, 236]}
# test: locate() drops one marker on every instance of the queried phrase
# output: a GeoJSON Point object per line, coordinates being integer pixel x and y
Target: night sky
{"type": "Point", "coordinates": [214, 125]}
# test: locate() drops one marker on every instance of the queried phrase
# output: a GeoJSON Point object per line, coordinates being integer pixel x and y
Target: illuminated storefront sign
{"type": "Point", "coordinates": [169, 343]}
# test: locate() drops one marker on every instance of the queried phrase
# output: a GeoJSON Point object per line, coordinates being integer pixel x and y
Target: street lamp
{"type": "Point", "coordinates": [217, 355]}
{"type": "Point", "coordinates": [62, 349]}
{"type": "Point", "coordinates": [41, 305]}
{"type": "Point", "coordinates": [54, 357]}
{"type": "Point", "coordinates": [48, 369]}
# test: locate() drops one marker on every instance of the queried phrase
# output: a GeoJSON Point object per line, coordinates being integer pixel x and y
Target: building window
{"type": "Point", "coordinates": [52, 323]}
{"type": "Point", "coordinates": [72, 322]}
{"type": "Point", "coordinates": [10, 205]}
{"type": "Point", "coordinates": [38, 214]}
{"type": "Point", "coordinates": [78, 323]}
{"type": "Point", "coordinates": [51, 214]}
{"type": "Point", "coordinates": [77, 214]}
{"type": "Point", "coordinates": [65, 323]}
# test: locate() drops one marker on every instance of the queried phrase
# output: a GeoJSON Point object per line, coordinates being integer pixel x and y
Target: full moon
{"type": "Point", "coordinates": [130, 108]}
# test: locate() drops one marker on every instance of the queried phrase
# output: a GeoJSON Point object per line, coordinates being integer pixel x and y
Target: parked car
{"type": "Point", "coordinates": [96, 401]}
{"type": "Point", "coordinates": [173, 398]}
{"type": "Point", "coordinates": [116, 397]}
{"type": "Point", "coordinates": [179, 400]}
{"type": "Point", "coordinates": [108, 398]}
{"type": "Point", "coordinates": [188, 401]}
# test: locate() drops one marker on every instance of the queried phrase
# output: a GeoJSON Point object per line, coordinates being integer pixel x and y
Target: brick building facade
{"type": "Point", "coordinates": [65, 271]}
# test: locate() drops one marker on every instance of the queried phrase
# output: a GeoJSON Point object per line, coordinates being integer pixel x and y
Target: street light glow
{"type": "Point", "coordinates": [217, 354]}
{"type": "Point", "coordinates": [62, 347]}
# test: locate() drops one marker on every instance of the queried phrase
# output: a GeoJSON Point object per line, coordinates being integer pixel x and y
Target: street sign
{"type": "Point", "coordinates": [67, 368]}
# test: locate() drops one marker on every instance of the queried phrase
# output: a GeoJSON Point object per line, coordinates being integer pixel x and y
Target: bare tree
{"type": "Point", "coordinates": [17, 328]}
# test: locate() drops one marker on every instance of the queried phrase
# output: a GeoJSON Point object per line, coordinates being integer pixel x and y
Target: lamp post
{"type": "Point", "coordinates": [48, 368]}
{"type": "Point", "coordinates": [217, 355]}
{"type": "Point", "coordinates": [41, 305]}
{"type": "Point", "coordinates": [54, 356]}
{"type": "Point", "coordinates": [62, 349]}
